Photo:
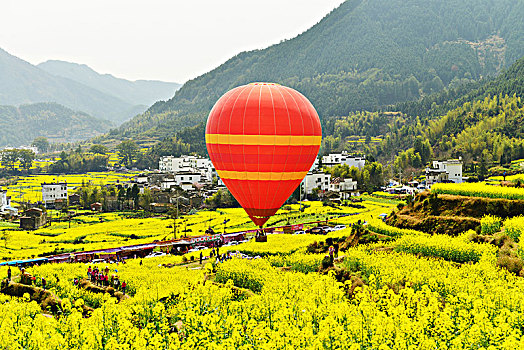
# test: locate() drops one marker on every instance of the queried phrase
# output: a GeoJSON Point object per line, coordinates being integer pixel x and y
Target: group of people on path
{"type": "Point", "coordinates": [101, 278]}
{"type": "Point", "coordinates": [215, 252]}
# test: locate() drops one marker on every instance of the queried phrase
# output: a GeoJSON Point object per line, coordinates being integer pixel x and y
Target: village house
{"type": "Point", "coordinates": [444, 171]}
{"type": "Point", "coordinates": [188, 164]}
{"type": "Point", "coordinates": [343, 158]}
{"type": "Point", "coordinates": [314, 180]}
{"type": "Point", "coordinates": [345, 187]}
{"type": "Point", "coordinates": [5, 204]}
{"type": "Point", "coordinates": [54, 192]}
{"type": "Point", "coordinates": [33, 218]}
{"type": "Point", "coordinates": [172, 164]}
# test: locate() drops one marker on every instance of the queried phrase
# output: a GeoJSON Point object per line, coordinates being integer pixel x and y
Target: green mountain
{"type": "Point", "coordinates": [139, 92]}
{"type": "Point", "coordinates": [21, 125]}
{"type": "Point", "coordinates": [482, 122]}
{"type": "Point", "coordinates": [363, 55]}
{"type": "Point", "coordinates": [509, 82]}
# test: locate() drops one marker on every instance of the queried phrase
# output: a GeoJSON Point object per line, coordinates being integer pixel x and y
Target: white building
{"type": "Point", "coordinates": [28, 148]}
{"type": "Point", "coordinates": [54, 191]}
{"type": "Point", "coordinates": [316, 180]}
{"type": "Point", "coordinates": [141, 179]}
{"type": "Point", "coordinates": [4, 200]}
{"type": "Point", "coordinates": [172, 164]}
{"type": "Point", "coordinates": [183, 179]}
{"type": "Point", "coordinates": [346, 187]}
{"type": "Point", "coordinates": [188, 177]}
{"type": "Point", "coordinates": [443, 171]}
{"type": "Point", "coordinates": [166, 184]}
{"type": "Point", "coordinates": [343, 158]}
{"type": "Point", "coordinates": [193, 164]}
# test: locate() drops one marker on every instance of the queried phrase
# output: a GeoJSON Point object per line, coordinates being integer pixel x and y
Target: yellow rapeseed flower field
{"type": "Point", "coordinates": [415, 292]}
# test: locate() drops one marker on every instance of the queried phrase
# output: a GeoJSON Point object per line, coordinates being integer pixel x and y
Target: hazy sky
{"type": "Point", "coordinates": [168, 40]}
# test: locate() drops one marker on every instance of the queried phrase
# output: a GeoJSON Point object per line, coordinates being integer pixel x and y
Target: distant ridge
{"type": "Point", "coordinates": [139, 92]}
{"type": "Point", "coordinates": [24, 83]}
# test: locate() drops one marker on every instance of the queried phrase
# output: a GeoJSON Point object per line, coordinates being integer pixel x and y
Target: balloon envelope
{"type": "Point", "coordinates": [262, 139]}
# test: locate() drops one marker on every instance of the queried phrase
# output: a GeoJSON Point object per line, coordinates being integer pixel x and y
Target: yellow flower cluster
{"type": "Point", "coordinates": [380, 227]}
{"type": "Point", "coordinates": [457, 249]}
{"type": "Point", "coordinates": [489, 225]}
{"type": "Point", "coordinates": [514, 227]}
{"type": "Point", "coordinates": [478, 190]}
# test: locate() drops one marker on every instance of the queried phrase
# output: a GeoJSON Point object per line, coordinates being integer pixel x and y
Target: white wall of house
{"type": "Point", "coordinates": [175, 164]}
{"type": "Point", "coordinates": [444, 170]}
{"type": "Point", "coordinates": [167, 184]}
{"type": "Point", "coordinates": [454, 170]}
{"type": "Point", "coordinates": [343, 158]}
{"type": "Point", "coordinates": [53, 191]}
{"type": "Point", "coordinates": [3, 200]}
{"type": "Point", "coordinates": [316, 180]}
{"type": "Point", "coordinates": [344, 185]}
{"type": "Point", "coordinates": [188, 177]}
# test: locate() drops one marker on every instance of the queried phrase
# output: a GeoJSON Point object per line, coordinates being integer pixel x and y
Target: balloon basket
{"type": "Point", "coordinates": [261, 239]}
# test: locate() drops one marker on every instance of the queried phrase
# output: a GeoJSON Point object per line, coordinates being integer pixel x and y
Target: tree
{"type": "Point", "coordinates": [98, 149]}
{"type": "Point", "coordinates": [41, 143]}
{"type": "Point", "coordinates": [135, 192]}
{"type": "Point", "coordinates": [121, 195]}
{"type": "Point", "coordinates": [145, 200]}
{"type": "Point", "coordinates": [128, 150]}
{"type": "Point", "coordinates": [9, 157]}
{"type": "Point", "coordinates": [26, 158]}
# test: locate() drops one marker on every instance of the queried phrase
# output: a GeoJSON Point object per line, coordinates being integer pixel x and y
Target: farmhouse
{"type": "Point", "coordinates": [343, 158]}
{"type": "Point", "coordinates": [53, 192]}
{"type": "Point", "coordinates": [33, 219]}
{"type": "Point", "coordinates": [345, 187]}
{"type": "Point", "coordinates": [318, 180]}
{"type": "Point", "coordinates": [445, 171]}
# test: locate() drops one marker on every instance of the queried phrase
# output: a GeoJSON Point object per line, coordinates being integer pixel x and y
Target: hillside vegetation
{"type": "Point", "coordinates": [363, 55]}
{"type": "Point", "coordinates": [21, 125]}
{"type": "Point", "coordinates": [482, 124]}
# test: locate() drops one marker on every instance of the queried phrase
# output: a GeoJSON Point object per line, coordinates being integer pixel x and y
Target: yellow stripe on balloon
{"type": "Point", "coordinates": [261, 176]}
{"type": "Point", "coordinates": [264, 140]}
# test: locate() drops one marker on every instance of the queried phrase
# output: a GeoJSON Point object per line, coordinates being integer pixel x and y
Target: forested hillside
{"type": "Point", "coordinates": [480, 122]}
{"type": "Point", "coordinates": [509, 82]}
{"type": "Point", "coordinates": [21, 125]}
{"type": "Point", "coordinates": [364, 55]}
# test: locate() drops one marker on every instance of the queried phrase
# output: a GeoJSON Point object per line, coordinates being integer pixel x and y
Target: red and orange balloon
{"type": "Point", "coordinates": [262, 139]}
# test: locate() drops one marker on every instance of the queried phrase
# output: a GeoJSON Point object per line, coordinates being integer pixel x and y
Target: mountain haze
{"type": "Point", "coordinates": [90, 92]}
{"type": "Point", "coordinates": [363, 55]}
{"type": "Point", "coordinates": [139, 92]}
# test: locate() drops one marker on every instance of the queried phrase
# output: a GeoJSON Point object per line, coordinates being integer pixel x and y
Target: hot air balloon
{"type": "Point", "coordinates": [262, 139]}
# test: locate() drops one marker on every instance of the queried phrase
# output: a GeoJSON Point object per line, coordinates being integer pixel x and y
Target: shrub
{"type": "Point", "coordinates": [514, 227]}
{"type": "Point", "coordinates": [489, 225]}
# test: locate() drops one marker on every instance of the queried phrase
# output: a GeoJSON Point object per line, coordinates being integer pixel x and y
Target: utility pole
{"type": "Point", "coordinates": [174, 220]}
{"type": "Point", "coordinates": [300, 198]}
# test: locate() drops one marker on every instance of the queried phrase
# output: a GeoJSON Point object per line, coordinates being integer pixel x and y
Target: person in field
{"type": "Point", "coordinates": [124, 285]}
{"type": "Point", "coordinates": [331, 254]}
{"type": "Point", "coordinates": [9, 273]}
